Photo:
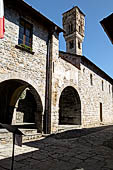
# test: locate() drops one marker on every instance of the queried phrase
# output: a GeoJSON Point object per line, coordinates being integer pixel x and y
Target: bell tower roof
{"type": "Point", "coordinates": [75, 7]}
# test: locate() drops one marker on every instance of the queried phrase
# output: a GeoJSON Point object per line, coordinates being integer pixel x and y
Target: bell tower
{"type": "Point", "coordinates": [74, 25]}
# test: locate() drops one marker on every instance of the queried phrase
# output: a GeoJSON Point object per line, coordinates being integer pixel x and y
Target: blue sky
{"type": "Point", "coordinates": [96, 46]}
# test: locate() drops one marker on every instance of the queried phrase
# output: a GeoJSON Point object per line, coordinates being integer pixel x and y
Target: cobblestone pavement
{"type": "Point", "coordinates": [87, 149]}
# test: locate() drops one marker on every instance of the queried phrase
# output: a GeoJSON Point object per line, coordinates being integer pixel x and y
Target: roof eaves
{"type": "Point", "coordinates": [105, 74]}
{"type": "Point", "coordinates": [70, 54]}
{"type": "Point", "coordinates": [72, 9]}
{"type": "Point", "coordinates": [38, 14]}
{"type": "Point", "coordinates": [107, 24]}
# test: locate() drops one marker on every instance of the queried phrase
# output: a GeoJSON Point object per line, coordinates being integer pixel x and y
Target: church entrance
{"type": "Point", "coordinates": [20, 105]}
{"type": "Point", "coordinates": [69, 107]}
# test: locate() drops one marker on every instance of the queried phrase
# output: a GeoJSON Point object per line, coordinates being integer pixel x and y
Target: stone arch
{"type": "Point", "coordinates": [30, 105]}
{"type": "Point", "coordinates": [69, 107]}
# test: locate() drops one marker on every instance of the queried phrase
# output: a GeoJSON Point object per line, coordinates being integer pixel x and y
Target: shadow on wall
{"type": "Point", "coordinates": [70, 150]}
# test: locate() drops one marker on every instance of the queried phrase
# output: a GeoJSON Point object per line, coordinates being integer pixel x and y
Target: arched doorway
{"type": "Point", "coordinates": [69, 107]}
{"type": "Point", "coordinates": [20, 104]}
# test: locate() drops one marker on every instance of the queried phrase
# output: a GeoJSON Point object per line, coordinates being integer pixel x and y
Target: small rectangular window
{"type": "Point", "coordinates": [109, 88]}
{"type": "Point", "coordinates": [79, 29]}
{"type": "Point", "coordinates": [79, 45]}
{"type": "Point", "coordinates": [102, 85]}
{"type": "Point", "coordinates": [53, 67]}
{"type": "Point", "coordinates": [25, 33]}
{"type": "Point", "coordinates": [91, 79]}
{"type": "Point", "coordinates": [70, 28]}
{"type": "Point", "coordinates": [71, 44]}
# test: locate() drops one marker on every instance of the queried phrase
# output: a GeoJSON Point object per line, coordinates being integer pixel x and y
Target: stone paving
{"type": "Point", "coordinates": [83, 149]}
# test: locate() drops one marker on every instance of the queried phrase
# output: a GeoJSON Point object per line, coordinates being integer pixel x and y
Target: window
{"type": "Point", "coordinates": [83, 70]}
{"type": "Point", "coordinates": [70, 28]}
{"type": "Point", "coordinates": [71, 44]}
{"type": "Point", "coordinates": [102, 85]}
{"type": "Point", "coordinates": [79, 29]}
{"type": "Point", "coordinates": [25, 34]}
{"type": "Point", "coordinates": [79, 45]}
{"type": "Point", "coordinates": [109, 88]}
{"type": "Point", "coordinates": [91, 79]}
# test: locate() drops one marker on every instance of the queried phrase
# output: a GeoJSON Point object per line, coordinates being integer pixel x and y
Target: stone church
{"type": "Point", "coordinates": [42, 87]}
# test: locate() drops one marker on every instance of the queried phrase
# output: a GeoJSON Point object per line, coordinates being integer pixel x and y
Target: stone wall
{"type": "Point", "coordinates": [68, 74]}
{"type": "Point", "coordinates": [65, 74]}
{"type": "Point", "coordinates": [93, 95]}
{"type": "Point", "coordinates": [16, 64]}
{"type": "Point", "coordinates": [19, 64]}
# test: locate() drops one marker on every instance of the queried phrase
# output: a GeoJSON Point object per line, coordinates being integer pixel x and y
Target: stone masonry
{"type": "Point", "coordinates": [93, 86]}
{"type": "Point", "coordinates": [54, 78]}
{"type": "Point", "coordinates": [17, 64]}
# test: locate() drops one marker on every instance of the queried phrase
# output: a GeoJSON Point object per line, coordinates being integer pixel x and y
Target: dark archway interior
{"type": "Point", "coordinates": [11, 102]}
{"type": "Point", "coordinates": [28, 107]}
{"type": "Point", "coordinates": [69, 107]}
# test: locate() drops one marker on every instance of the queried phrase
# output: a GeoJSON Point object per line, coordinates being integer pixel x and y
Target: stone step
{"type": "Point", "coordinates": [29, 135]}
{"type": "Point", "coordinates": [62, 128]}
{"type": "Point", "coordinates": [25, 125]}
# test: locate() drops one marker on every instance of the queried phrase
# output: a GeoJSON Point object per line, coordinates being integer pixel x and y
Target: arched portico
{"type": "Point", "coordinates": [20, 104]}
{"type": "Point", "coordinates": [69, 107]}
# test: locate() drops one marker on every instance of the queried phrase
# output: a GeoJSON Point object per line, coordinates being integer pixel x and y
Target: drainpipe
{"type": "Point", "coordinates": [48, 88]}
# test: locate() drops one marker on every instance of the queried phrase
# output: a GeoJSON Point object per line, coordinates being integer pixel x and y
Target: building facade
{"type": "Point", "coordinates": [30, 41]}
{"type": "Point", "coordinates": [43, 88]}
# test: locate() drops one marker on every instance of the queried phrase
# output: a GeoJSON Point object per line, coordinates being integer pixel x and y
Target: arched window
{"type": "Point", "coordinates": [70, 28]}
{"type": "Point", "coordinates": [71, 44]}
{"type": "Point", "coordinates": [79, 45]}
{"type": "Point", "coordinates": [79, 29]}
